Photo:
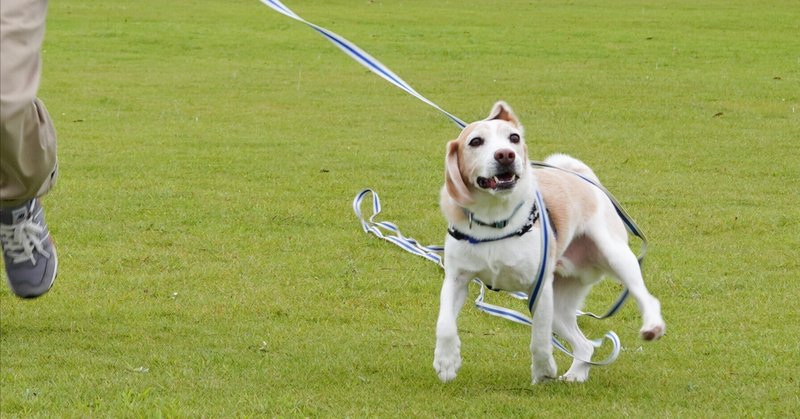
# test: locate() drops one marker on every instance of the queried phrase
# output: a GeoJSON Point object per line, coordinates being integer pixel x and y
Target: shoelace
{"type": "Point", "coordinates": [21, 239]}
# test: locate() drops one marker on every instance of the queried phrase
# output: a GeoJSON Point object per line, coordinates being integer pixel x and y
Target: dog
{"type": "Point", "coordinates": [489, 201]}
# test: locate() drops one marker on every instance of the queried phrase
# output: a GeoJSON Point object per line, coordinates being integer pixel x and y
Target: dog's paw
{"type": "Point", "coordinates": [447, 360]}
{"type": "Point", "coordinates": [543, 379]}
{"type": "Point", "coordinates": [653, 331]}
{"type": "Point", "coordinates": [578, 372]}
{"type": "Point", "coordinates": [574, 377]}
{"type": "Point", "coordinates": [653, 326]}
{"type": "Point", "coordinates": [544, 371]}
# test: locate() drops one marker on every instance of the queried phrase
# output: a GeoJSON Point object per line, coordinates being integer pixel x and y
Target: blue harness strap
{"type": "Point", "coordinates": [537, 285]}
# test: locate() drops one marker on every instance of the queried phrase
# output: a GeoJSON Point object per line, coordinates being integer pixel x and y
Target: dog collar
{"type": "Point", "coordinates": [496, 224]}
{"type": "Point", "coordinates": [532, 218]}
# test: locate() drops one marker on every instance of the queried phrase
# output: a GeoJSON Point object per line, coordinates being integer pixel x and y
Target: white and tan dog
{"type": "Point", "coordinates": [488, 199]}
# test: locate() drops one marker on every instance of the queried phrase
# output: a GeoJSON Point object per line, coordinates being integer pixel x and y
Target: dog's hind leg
{"type": "Point", "coordinates": [447, 356]}
{"type": "Point", "coordinates": [625, 267]}
{"type": "Point", "coordinates": [568, 294]}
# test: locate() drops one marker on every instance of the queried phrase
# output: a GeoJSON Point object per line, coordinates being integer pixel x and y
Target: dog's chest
{"type": "Point", "coordinates": [508, 265]}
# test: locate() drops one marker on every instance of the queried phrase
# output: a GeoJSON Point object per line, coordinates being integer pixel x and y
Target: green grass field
{"type": "Point", "coordinates": [211, 266]}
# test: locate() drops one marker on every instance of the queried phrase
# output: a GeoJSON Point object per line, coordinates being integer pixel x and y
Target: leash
{"type": "Point", "coordinates": [390, 232]}
{"type": "Point", "coordinates": [362, 57]}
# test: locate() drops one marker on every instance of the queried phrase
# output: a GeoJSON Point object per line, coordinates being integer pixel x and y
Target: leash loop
{"type": "Point", "coordinates": [388, 231]}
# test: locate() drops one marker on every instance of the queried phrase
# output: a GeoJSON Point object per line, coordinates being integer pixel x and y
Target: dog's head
{"type": "Point", "coordinates": [488, 156]}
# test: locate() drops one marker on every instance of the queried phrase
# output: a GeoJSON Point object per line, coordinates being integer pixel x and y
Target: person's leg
{"type": "Point", "coordinates": [27, 136]}
{"type": "Point", "coordinates": [28, 164]}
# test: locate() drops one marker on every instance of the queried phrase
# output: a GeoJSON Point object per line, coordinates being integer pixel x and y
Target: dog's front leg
{"type": "Point", "coordinates": [543, 367]}
{"type": "Point", "coordinates": [447, 356]}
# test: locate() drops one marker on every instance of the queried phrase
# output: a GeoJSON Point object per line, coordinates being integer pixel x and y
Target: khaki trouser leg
{"type": "Point", "coordinates": [28, 164]}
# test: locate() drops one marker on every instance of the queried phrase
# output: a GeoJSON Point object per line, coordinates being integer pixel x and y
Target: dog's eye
{"type": "Point", "coordinates": [514, 138]}
{"type": "Point", "coordinates": [476, 142]}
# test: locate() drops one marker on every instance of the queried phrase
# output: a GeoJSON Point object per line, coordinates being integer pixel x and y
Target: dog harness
{"type": "Point", "coordinates": [545, 245]}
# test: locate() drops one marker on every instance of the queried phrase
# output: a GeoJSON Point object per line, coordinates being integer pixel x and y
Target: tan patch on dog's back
{"type": "Point", "coordinates": [569, 199]}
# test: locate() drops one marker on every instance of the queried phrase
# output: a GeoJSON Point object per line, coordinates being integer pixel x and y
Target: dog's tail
{"type": "Point", "coordinates": [572, 164]}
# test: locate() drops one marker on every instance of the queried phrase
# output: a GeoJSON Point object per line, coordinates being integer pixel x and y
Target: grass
{"type": "Point", "coordinates": [211, 265]}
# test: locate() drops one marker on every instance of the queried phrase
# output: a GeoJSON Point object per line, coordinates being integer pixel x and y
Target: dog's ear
{"type": "Point", "coordinates": [502, 111]}
{"type": "Point", "coordinates": [453, 180]}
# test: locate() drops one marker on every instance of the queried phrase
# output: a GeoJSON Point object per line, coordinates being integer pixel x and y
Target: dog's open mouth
{"type": "Point", "coordinates": [499, 181]}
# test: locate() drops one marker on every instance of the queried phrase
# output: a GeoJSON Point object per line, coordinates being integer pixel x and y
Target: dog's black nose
{"type": "Point", "coordinates": [505, 156]}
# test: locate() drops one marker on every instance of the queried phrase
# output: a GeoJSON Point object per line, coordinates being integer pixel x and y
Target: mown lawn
{"type": "Point", "coordinates": [211, 266]}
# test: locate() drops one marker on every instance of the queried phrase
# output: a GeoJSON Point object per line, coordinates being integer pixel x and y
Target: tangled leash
{"type": "Point", "coordinates": [390, 232]}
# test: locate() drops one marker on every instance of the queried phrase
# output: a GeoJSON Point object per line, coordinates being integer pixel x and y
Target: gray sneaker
{"type": "Point", "coordinates": [28, 250]}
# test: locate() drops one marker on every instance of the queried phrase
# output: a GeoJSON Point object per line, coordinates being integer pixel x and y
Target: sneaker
{"type": "Point", "coordinates": [28, 250]}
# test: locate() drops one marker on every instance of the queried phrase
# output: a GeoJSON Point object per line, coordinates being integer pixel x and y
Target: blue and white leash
{"type": "Point", "coordinates": [392, 233]}
{"type": "Point", "coordinates": [434, 253]}
{"type": "Point", "coordinates": [362, 57]}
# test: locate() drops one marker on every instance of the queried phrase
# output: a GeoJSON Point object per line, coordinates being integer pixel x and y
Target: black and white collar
{"type": "Point", "coordinates": [496, 224]}
{"type": "Point", "coordinates": [532, 218]}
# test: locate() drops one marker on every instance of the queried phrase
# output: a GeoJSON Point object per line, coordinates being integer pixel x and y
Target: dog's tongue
{"type": "Point", "coordinates": [491, 182]}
